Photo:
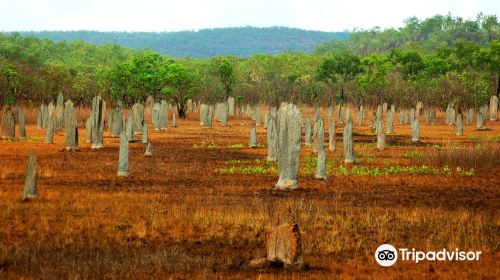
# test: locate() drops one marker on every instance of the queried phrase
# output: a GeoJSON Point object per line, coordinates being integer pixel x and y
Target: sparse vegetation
{"type": "Point", "coordinates": [257, 166]}
{"type": "Point", "coordinates": [366, 155]}
{"type": "Point", "coordinates": [235, 146]}
{"type": "Point", "coordinates": [485, 155]}
{"type": "Point", "coordinates": [394, 170]}
{"type": "Point", "coordinates": [412, 154]}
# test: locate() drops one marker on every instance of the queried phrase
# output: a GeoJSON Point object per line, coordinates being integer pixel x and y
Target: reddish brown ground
{"type": "Point", "coordinates": [176, 217]}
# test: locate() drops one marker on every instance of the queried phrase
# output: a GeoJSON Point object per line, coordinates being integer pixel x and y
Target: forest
{"type": "Point", "coordinates": [237, 41]}
{"type": "Point", "coordinates": [439, 60]}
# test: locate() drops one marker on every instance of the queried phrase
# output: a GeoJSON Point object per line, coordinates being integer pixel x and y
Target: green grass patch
{"type": "Point", "coordinates": [247, 170]}
{"type": "Point", "coordinates": [310, 162]}
{"type": "Point", "coordinates": [259, 145]}
{"type": "Point", "coordinates": [248, 166]}
{"type": "Point", "coordinates": [235, 146]}
{"type": "Point", "coordinates": [393, 170]}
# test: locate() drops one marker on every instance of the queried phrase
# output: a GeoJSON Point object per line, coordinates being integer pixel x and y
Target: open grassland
{"type": "Point", "coordinates": [184, 214]}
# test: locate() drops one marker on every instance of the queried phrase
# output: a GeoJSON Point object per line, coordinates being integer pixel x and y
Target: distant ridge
{"type": "Point", "coordinates": [237, 41]}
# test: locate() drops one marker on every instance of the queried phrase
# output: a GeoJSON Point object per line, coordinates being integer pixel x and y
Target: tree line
{"type": "Point", "coordinates": [464, 72]}
{"type": "Point", "coordinates": [237, 41]}
{"type": "Point", "coordinates": [426, 35]}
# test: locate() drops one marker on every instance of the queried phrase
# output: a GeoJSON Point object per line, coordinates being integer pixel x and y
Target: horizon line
{"type": "Point", "coordinates": [194, 30]}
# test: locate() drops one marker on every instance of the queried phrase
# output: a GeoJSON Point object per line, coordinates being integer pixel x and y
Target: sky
{"type": "Point", "coordinates": [165, 15]}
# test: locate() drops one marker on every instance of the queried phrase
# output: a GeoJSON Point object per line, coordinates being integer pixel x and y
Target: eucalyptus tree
{"type": "Point", "coordinates": [285, 76]}
{"type": "Point", "coordinates": [434, 80]}
{"type": "Point", "coordinates": [472, 79]}
{"type": "Point", "coordinates": [11, 77]}
{"type": "Point", "coordinates": [337, 71]}
{"type": "Point", "coordinates": [177, 84]}
{"type": "Point", "coordinates": [487, 59]}
{"type": "Point", "coordinates": [133, 80]}
{"type": "Point", "coordinates": [251, 81]}
{"type": "Point", "coordinates": [224, 68]}
{"type": "Point", "coordinates": [373, 81]}
{"type": "Point", "coordinates": [409, 65]}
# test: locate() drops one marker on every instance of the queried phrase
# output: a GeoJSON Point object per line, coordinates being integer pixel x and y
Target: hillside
{"type": "Point", "coordinates": [427, 35]}
{"type": "Point", "coordinates": [451, 58]}
{"type": "Point", "coordinates": [244, 41]}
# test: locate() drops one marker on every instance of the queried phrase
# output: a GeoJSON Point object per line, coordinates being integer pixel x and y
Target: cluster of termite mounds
{"type": "Point", "coordinates": [284, 127]}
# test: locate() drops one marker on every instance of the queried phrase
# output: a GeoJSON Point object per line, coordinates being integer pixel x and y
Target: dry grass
{"type": "Point", "coordinates": [484, 155]}
{"type": "Point", "coordinates": [69, 234]}
{"type": "Point", "coordinates": [177, 218]}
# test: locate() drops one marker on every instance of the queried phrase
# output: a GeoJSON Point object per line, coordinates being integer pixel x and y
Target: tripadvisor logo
{"type": "Point", "coordinates": [387, 255]}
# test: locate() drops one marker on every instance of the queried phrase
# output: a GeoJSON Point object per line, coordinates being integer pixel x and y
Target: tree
{"type": "Point", "coordinates": [409, 63]}
{"type": "Point", "coordinates": [434, 79]}
{"type": "Point", "coordinates": [144, 75]}
{"type": "Point", "coordinates": [339, 69]}
{"type": "Point", "coordinates": [489, 25]}
{"type": "Point", "coordinates": [177, 84]}
{"type": "Point", "coordinates": [488, 59]}
{"type": "Point", "coordinates": [12, 84]}
{"type": "Point", "coordinates": [373, 81]}
{"type": "Point", "coordinates": [225, 71]}
{"type": "Point", "coordinates": [134, 80]}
